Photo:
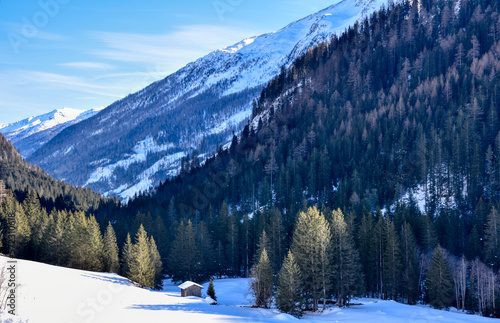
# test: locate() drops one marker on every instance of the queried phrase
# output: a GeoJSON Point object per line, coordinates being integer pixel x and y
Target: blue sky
{"type": "Point", "coordinates": [86, 53]}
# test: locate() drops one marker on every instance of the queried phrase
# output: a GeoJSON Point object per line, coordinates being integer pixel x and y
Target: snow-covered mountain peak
{"type": "Point", "coordinates": [236, 47]}
{"type": "Point", "coordinates": [49, 124]}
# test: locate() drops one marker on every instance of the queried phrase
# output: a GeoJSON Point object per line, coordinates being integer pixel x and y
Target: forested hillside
{"type": "Point", "coordinates": [404, 103]}
{"type": "Point", "coordinates": [21, 177]}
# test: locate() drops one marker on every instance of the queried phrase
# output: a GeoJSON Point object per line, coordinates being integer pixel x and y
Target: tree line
{"type": "Point", "coordinates": [74, 239]}
{"type": "Point", "coordinates": [323, 264]}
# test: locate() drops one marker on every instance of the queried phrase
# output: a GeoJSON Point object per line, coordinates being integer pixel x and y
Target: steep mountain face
{"type": "Point", "coordinates": [30, 134]}
{"type": "Point", "coordinates": [142, 139]}
{"type": "Point", "coordinates": [395, 110]}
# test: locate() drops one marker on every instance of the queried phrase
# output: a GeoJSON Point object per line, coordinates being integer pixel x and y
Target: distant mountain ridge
{"type": "Point", "coordinates": [140, 140]}
{"type": "Point", "coordinates": [31, 133]}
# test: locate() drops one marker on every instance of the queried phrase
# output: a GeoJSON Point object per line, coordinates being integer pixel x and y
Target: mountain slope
{"type": "Point", "coordinates": [21, 177]}
{"type": "Point", "coordinates": [30, 134]}
{"type": "Point", "coordinates": [385, 112]}
{"type": "Point", "coordinates": [141, 139]}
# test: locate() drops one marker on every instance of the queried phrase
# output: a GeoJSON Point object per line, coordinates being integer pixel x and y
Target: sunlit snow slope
{"type": "Point", "coordinates": [55, 294]}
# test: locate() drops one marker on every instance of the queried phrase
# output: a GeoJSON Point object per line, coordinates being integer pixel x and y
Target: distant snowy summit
{"type": "Point", "coordinates": [31, 133]}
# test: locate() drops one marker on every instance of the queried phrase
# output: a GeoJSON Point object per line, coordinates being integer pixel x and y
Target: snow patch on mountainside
{"type": "Point", "coordinates": [233, 121]}
{"type": "Point", "coordinates": [171, 163]}
{"type": "Point", "coordinates": [141, 151]}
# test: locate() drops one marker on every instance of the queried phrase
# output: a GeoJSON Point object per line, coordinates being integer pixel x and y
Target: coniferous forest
{"type": "Point", "coordinates": [371, 168]}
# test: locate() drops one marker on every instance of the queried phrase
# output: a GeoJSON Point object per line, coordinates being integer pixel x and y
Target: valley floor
{"type": "Point", "coordinates": [55, 294]}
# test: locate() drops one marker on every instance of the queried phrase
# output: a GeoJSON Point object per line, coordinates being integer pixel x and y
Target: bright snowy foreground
{"type": "Point", "coordinates": [55, 294]}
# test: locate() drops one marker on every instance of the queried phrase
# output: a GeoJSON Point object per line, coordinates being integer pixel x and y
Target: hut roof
{"type": "Point", "coordinates": [189, 284]}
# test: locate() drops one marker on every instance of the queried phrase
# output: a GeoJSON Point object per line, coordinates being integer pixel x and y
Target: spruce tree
{"type": "Point", "coordinates": [162, 237]}
{"type": "Point", "coordinates": [311, 246]}
{"type": "Point", "coordinates": [22, 232]}
{"type": "Point", "coordinates": [366, 249]}
{"type": "Point", "coordinates": [142, 269]}
{"type": "Point", "coordinates": [157, 264]}
{"type": "Point", "coordinates": [392, 262]}
{"type": "Point", "coordinates": [232, 244]}
{"type": "Point", "coordinates": [95, 246]}
{"type": "Point", "coordinates": [379, 234]}
{"type": "Point", "coordinates": [37, 218]}
{"type": "Point", "coordinates": [220, 260]}
{"type": "Point", "coordinates": [263, 244]}
{"type": "Point", "coordinates": [206, 252]}
{"type": "Point", "coordinates": [262, 282]}
{"type": "Point", "coordinates": [439, 283]}
{"type": "Point", "coordinates": [492, 239]}
{"type": "Point", "coordinates": [276, 238]}
{"type": "Point", "coordinates": [184, 256]}
{"type": "Point", "coordinates": [53, 244]}
{"type": "Point", "coordinates": [211, 290]}
{"type": "Point", "coordinates": [289, 296]}
{"type": "Point", "coordinates": [111, 261]}
{"type": "Point", "coordinates": [409, 263]}
{"type": "Point", "coordinates": [126, 257]}
{"type": "Point", "coordinates": [347, 270]}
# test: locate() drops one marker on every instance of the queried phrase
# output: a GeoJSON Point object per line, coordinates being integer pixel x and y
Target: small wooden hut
{"type": "Point", "coordinates": [190, 288]}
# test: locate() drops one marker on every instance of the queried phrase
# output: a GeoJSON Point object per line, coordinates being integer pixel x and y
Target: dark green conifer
{"type": "Point", "coordinates": [439, 283]}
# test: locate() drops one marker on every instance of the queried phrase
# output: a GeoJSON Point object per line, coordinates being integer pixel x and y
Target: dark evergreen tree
{"type": "Point", "coordinates": [211, 290]}
{"type": "Point", "coordinates": [347, 270]}
{"type": "Point", "coordinates": [392, 262]}
{"type": "Point", "coordinates": [126, 256]}
{"type": "Point", "coordinates": [157, 263]}
{"type": "Point", "coordinates": [366, 250]}
{"type": "Point", "coordinates": [492, 239]}
{"type": "Point", "coordinates": [409, 262]}
{"type": "Point", "coordinates": [439, 284]}
{"type": "Point", "coordinates": [184, 254]}
{"type": "Point", "coordinates": [206, 251]}
{"type": "Point", "coordinates": [21, 232]}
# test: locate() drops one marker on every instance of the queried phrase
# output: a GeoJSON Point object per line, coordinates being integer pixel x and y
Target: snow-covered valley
{"type": "Point", "coordinates": [56, 294]}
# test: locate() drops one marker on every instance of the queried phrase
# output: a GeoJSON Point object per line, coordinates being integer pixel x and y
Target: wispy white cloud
{"type": "Point", "coordinates": [62, 82]}
{"type": "Point", "coordinates": [172, 50]}
{"type": "Point", "coordinates": [155, 74]}
{"type": "Point", "coordinates": [88, 65]}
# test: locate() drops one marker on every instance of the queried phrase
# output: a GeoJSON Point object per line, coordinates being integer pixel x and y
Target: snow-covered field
{"type": "Point", "coordinates": [54, 294]}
